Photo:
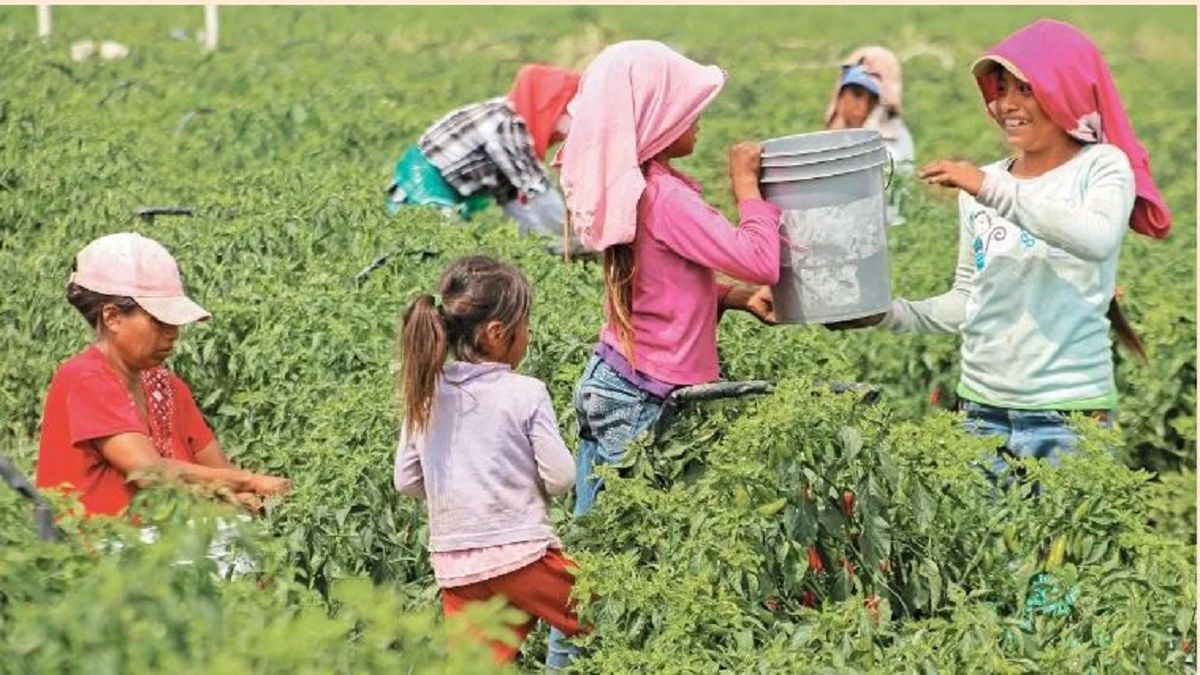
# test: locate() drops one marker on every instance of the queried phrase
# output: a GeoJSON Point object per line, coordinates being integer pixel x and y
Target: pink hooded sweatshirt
{"type": "Point", "coordinates": [634, 100]}
{"type": "Point", "coordinates": [1072, 83]}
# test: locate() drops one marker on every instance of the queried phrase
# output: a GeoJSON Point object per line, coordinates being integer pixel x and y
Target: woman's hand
{"type": "Point", "coordinates": [947, 173]}
{"type": "Point", "coordinates": [756, 301]}
{"type": "Point", "coordinates": [264, 485]}
{"type": "Point", "coordinates": [249, 501]}
{"type": "Point", "coordinates": [244, 500]}
{"type": "Point", "coordinates": [744, 161]}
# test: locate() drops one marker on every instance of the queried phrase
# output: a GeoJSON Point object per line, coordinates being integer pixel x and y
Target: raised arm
{"type": "Point", "coordinates": [698, 232]}
{"type": "Point", "coordinates": [1091, 230]}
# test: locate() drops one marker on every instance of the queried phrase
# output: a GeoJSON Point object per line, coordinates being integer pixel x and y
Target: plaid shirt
{"type": "Point", "coordinates": [485, 146]}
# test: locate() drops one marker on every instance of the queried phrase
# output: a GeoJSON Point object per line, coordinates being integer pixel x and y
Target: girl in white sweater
{"type": "Point", "coordinates": [1039, 238]}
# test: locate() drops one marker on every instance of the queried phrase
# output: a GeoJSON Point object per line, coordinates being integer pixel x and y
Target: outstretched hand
{"type": "Point", "coordinates": [948, 173]}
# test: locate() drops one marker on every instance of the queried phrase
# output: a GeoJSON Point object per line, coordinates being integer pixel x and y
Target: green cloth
{"type": "Point", "coordinates": [418, 182]}
{"type": "Point", "coordinates": [1105, 402]}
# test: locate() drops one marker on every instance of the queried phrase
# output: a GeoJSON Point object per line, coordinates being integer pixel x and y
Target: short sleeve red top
{"type": "Point", "coordinates": [87, 401]}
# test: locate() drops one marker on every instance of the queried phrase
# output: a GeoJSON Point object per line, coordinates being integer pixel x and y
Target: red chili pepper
{"type": "Point", "coordinates": [847, 502]}
{"type": "Point", "coordinates": [809, 599]}
{"type": "Point", "coordinates": [873, 606]}
{"type": "Point", "coordinates": [814, 559]}
{"type": "Point", "coordinates": [935, 396]}
{"type": "Point", "coordinates": [847, 565]}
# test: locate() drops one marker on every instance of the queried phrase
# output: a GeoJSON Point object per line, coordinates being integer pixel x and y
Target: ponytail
{"type": "Point", "coordinates": [619, 268]}
{"type": "Point", "coordinates": [1126, 335]}
{"type": "Point", "coordinates": [475, 290]}
{"type": "Point", "coordinates": [423, 349]}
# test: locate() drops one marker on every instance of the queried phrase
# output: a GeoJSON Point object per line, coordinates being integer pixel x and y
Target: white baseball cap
{"type": "Point", "coordinates": [131, 265]}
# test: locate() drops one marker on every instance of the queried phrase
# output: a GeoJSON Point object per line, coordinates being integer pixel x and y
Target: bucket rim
{"type": "Point", "coordinates": [802, 162]}
{"type": "Point", "coordinates": [787, 159]}
{"type": "Point", "coordinates": [856, 137]}
{"type": "Point", "coordinates": [873, 142]}
{"type": "Point", "coordinates": [775, 180]}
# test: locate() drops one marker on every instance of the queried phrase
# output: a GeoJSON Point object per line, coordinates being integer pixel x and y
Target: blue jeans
{"type": "Point", "coordinates": [611, 412]}
{"type": "Point", "coordinates": [1043, 434]}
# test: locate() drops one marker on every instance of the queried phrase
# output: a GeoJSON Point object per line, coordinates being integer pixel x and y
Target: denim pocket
{"type": "Point", "coordinates": [612, 411]}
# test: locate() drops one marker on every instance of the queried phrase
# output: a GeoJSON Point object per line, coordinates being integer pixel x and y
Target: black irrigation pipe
{"type": "Point", "coordinates": [713, 391]}
{"type": "Point", "coordinates": [148, 213]}
{"type": "Point", "coordinates": [43, 516]}
{"type": "Point", "coordinates": [125, 85]}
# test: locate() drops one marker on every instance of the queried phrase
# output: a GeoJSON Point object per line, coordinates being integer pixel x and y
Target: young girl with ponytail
{"type": "Point", "coordinates": [481, 445]}
{"type": "Point", "coordinates": [1040, 235]}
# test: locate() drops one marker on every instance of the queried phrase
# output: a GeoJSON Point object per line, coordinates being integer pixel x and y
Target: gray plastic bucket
{"type": "Point", "coordinates": [837, 209]}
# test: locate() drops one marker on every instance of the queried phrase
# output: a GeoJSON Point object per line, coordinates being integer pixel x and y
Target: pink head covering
{"type": "Point", "coordinates": [540, 95]}
{"type": "Point", "coordinates": [635, 99]}
{"type": "Point", "coordinates": [1072, 83]}
{"type": "Point", "coordinates": [881, 64]}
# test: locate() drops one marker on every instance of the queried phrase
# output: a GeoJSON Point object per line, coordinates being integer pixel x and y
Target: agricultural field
{"type": "Point", "coordinates": [803, 531]}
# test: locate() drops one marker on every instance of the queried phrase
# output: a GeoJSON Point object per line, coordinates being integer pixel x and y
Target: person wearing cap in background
{"type": "Point", "coordinates": [868, 96]}
{"type": "Point", "coordinates": [114, 410]}
{"type": "Point", "coordinates": [495, 149]}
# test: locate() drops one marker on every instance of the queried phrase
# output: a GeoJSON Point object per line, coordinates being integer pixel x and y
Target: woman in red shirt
{"type": "Point", "coordinates": [113, 409]}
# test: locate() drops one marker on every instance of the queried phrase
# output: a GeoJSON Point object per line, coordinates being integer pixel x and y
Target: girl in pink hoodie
{"type": "Point", "coordinates": [636, 110]}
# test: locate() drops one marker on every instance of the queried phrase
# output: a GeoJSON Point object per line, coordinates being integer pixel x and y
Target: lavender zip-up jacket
{"type": "Point", "coordinates": [488, 461]}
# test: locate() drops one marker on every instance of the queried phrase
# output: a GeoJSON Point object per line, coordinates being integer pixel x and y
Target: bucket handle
{"type": "Point", "coordinates": [891, 172]}
{"type": "Point", "coordinates": [795, 246]}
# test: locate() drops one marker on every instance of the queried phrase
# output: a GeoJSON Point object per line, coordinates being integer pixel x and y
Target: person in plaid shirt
{"type": "Point", "coordinates": [494, 149]}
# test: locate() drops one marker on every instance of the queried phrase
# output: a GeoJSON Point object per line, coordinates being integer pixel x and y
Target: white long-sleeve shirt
{"type": "Point", "coordinates": [1037, 265]}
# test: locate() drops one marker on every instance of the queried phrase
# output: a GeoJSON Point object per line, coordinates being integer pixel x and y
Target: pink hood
{"type": "Point", "coordinates": [634, 100]}
{"type": "Point", "coordinates": [1072, 83]}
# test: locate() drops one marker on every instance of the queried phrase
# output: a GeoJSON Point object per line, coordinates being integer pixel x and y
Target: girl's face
{"type": "Point", "coordinates": [684, 145]}
{"type": "Point", "coordinates": [1025, 124]}
{"type": "Point", "coordinates": [854, 103]}
{"type": "Point", "coordinates": [519, 344]}
{"type": "Point", "coordinates": [139, 340]}
{"type": "Point", "coordinates": [503, 346]}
